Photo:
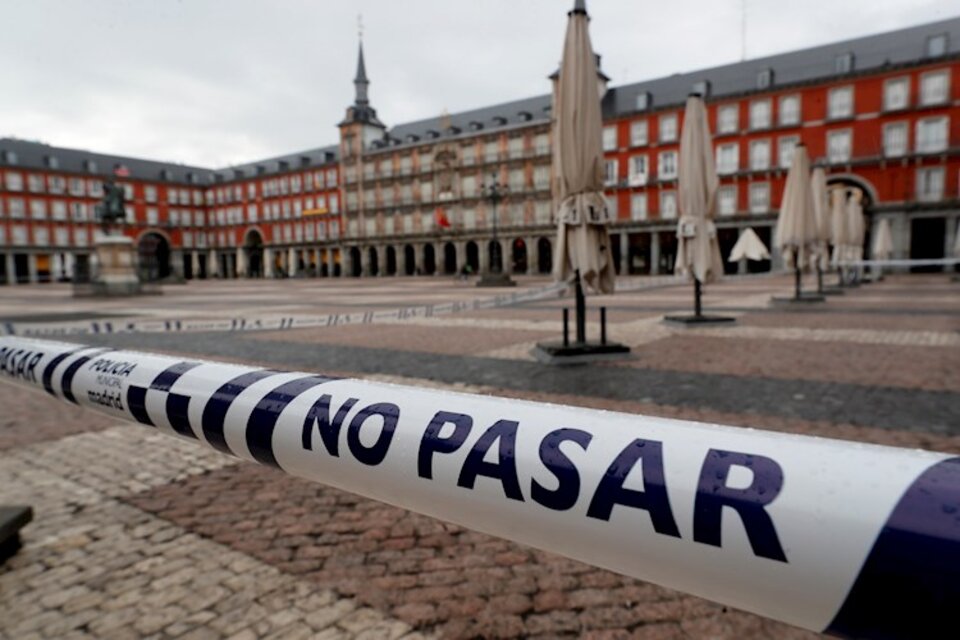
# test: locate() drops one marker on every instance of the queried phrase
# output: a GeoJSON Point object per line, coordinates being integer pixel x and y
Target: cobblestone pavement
{"type": "Point", "coordinates": [141, 535]}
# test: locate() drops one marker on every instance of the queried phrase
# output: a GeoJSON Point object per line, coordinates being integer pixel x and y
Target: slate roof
{"type": "Point", "coordinates": [873, 52]}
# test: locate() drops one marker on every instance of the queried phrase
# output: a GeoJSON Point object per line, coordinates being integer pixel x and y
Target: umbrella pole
{"type": "Point", "coordinates": [797, 283]}
{"type": "Point", "coordinates": [819, 279]}
{"type": "Point", "coordinates": [697, 292]}
{"type": "Point", "coordinates": [581, 310]}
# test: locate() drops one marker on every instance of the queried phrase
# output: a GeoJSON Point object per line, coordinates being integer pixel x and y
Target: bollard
{"type": "Point", "coordinates": [603, 325]}
{"type": "Point", "coordinates": [853, 539]}
{"type": "Point", "coordinates": [566, 327]}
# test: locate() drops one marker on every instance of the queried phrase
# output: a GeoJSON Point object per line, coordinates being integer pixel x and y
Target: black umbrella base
{"type": "Point", "coordinates": [804, 299]}
{"type": "Point", "coordinates": [579, 352]}
{"type": "Point", "coordinates": [12, 519]}
{"type": "Point", "coordinates": [496, 280]}
{"type": "Point", "coordinates": [699, 321]}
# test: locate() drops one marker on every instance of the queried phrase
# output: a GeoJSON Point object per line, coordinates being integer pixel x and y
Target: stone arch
{"type": "Point", "coordinates": [253, 250]}
{"type": "Point", "coordinates": [544, 255]}
{"type": "Point", "coordinates": [390, 268]}
{"type": "Point", "coordinates": [449, 258]}
{"type": "Point", "coordinates": [373, 261]}
{"type": "Point", "coordinates": [473, 256]}
{"type": "Point", "coordinates": [153, 252]}
{"type": "Point", "coordinates": [853, 180]}
{"type": "Point", "coordinates": [518, 250]}
{"type": "Point", "coordinates": [355, 268]}
{"type": "Point", "coordinates": [495, 256]}
{"type": "Point", "coordinates": [429, 260]}
{"type": "Point", "coordinates": [409, 259]}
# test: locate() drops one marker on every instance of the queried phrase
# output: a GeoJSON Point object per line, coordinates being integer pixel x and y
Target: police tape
{"type": "Point", "coordinates": [857, 540]}
{"type": "Point", "coordinates": [277, 323]}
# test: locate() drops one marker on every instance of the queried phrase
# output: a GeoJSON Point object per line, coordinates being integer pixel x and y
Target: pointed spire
{"type": "Point", "coordinates": [360, 82]}
{"type": "Point", "coordinates": [579, 6]}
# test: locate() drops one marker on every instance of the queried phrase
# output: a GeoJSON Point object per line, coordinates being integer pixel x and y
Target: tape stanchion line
{"type": "Point", "coordinates": [919, 262]}
{"type": "Point", "coordinates": [858, 540]}
{"type": "Point", "coordinates": [279, 323]}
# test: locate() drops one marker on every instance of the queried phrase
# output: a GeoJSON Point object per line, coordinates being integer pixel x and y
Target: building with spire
{"type": "Point", "coordinates": [880, 113]}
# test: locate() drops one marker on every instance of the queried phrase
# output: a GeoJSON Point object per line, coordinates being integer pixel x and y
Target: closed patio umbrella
{"type": "Point", "coordinates": [883, 241]}
{"type": "Point", "coordinates": [796, 224]}
{"type": "Point", "coordinates": [821, 211]}
{"type": "Point", "coordinates": [583, 243]}
{"type": "Point", "coordinates": [698, 253]}
{"type": "Point", "coordinates": [749, 246]}
{"type": "Point", "coordinates": [855, 229]}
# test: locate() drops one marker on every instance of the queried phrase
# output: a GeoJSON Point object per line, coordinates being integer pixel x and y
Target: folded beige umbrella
{"type": "Point", "coordinates": [838, 223]}
{"type": "Point", "coordinates": [883, 241]}
{"type": "Point", "coordinates": [855, 229]}
{"type": "Point", "coordinates": [821, 212]}
{"type": "Point", "coordinates": [796, 225]}
{"type": "Point", "coordinates": [749, 246]}
{"type": "Point", "coordinates": [698, 253]}
{"type": "Point", "coordinates": [583, 243]}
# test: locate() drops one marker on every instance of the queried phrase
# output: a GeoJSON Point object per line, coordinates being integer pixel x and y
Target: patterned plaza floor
{"type": "Point", "coordinates": [139, 535]}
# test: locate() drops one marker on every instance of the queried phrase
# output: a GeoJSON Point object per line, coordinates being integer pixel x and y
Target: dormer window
{"type": "Point", "coordinates": [843, 63]}
{"type": "Point", "coordinates": [937, 45]}
{"type": "Point", "coordinates": [91, 166]}
{"type": "Point", "coordinates": [525, 115]}
{"type": "Point", "coordinates": [644, 101]}
{"type": "Point", "coordinates": [432, 134]}
{"type": "Point", "coordinates": [10, 157]}
{"type": "Point", "coordinates": [261, 169]}
{"type": "Point", "coordinates": [453, 130]}
{"type": "Point", "coordinates": [53, 162]}
{"type": "Point", "coordinates": [304, 161]}
{"type": "Point", "coordinates": [413, 138]}
{"type": "Point", "coordinates": [475, 126]}
{"type": "Point", "coordinates": [765, 79]}
{"type": "Point", "coordinates": [284, 165]}
{"type": "Point", "coordinates": [499, 121]}
{"type": "Point", "coordinates": [237, 174]}
{"type": "Point", "coordinates": [165, 174]}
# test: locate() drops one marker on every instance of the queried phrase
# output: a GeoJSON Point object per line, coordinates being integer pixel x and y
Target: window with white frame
{"type": "Point", "coordinates": [35, 183]}
{"type": "Point", "coordinates": [426, 192]}
{"type": "Point", "coordinates": [541, 177]}
{"type": "Point", "coordinates": [759, 155]}
{"type": "Point", "coordinates": [16, 208]}
{"type": "Point", "coordinates": [13, 181]}
{"type": "Point", "coordinates": [786, 145]}
{"type": "Point", "coordinates": [331, 178]}
{"type": "Point", "coordinates": [517, 180]}
{"type": "Point", "coordinates": [41, 236]}
{"type": "Point", "coordinates": [896, 93]}
{"type": "Point", "coordinates": [56, 184]}
{"type": "Point", "coordinates": [668, 127]}
{"type": "Point", "coordinates": [727, 200]}
{"type": "Point", "coordinates": [334, 203]}
{"type": "Point", "coordinates": [759, 197]}
{"type": "Point", "coordinates": [895, 139]}
{"type": "Point", "coordinates": [61, 236]}
{"type": "Point", "coordinates": [728, 158]}
{"type": "Point", "coordinates": [838, 146]}
{"type": "Point", "coordinates": [789, 110]}
{"type": "Point", "coordinates": [840, 103]}
{"type": "Point", "coordinates": [638, 170]}
{"type": "Point", "coordinates": [153, 216]}
{"type": "Point", "coordinates": [95, 188]}
{"type": "Point", "coordinates": [492, 150]}
{"type": "Point", "coordinates": [930, 183]}
{"type": "Point", "coordinates": [668, 205]}
{"type": "Point", "coordinates": [80, 237]}
{"type": "Point", "coordinates": [639, 135]}
{"type": "Point", "coordinates": [542, 143]}
{"type": "Point", "coordinates": [515, 147]}
{"type": "Point", "coordinates": [469, 186]}
{"type": "Point", "coordinates": [760, 114]}
{"type": "Point", "coordinates": [610, 169]}
{"type": "Point", "coordinates": [252, 212]}
{"type": "Point", "coordinates": [76, 187]}
{"type": "Point", "coordinates": [3, 235]}
{"type": "Point", "coordinates": [58, 210]}
{"type": "Point", "coordinates": [934, 87]}
{"type": "Point", "coordinates": [19, 235]}
{"type": "Point", "coordinates": [78, 211]}
{"type": "Point", "coordinates": [728, 118]}
{"type": "Point", "coordinates": [612, 206]}
{"type": "Point", "coordinates": [542, 211]}
{"type": "Point", "coordinates": [38, 209]}
{"type": "Point", "coordinates": [638, 206]}
{"type": "Point", "coordinates": [932, 135]}
{"type": "Point", "coordinates": [667, 165]}
{"type": "Point", "coordinates": [843, 63]}
{"type": "Point", "coordinates": [609, 138]}
{"type": "Point", "coordinates": [149, 193]}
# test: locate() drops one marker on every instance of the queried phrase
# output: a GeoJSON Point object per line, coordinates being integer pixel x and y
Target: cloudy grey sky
{"type": "Point", "coordinates": [217, 82]}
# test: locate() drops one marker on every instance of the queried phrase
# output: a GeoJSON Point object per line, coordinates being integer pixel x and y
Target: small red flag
{"type": "Point", "coordinates": [441, 218]}
{"type": "Point", "coordinates": [121, 171]}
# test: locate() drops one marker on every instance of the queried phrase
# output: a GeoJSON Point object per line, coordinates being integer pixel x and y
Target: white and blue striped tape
{"type": "Point", "coordinates": [853, 539]}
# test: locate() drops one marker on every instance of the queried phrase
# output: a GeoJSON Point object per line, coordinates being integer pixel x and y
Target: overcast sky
{"type": "Point", "coordinates": [218, 82]}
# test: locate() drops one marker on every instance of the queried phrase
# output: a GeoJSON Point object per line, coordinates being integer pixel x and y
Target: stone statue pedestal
{"type": "Point", "coordinates": [115, 273]}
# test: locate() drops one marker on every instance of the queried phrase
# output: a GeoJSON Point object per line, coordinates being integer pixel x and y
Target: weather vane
{"type": "Point", "coordinates": [360, 25]}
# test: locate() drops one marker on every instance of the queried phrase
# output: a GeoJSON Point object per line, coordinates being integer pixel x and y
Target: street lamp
{"type": "Point", "coordinates": [494, 191]}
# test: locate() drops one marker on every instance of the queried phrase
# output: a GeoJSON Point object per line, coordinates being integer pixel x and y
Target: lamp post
{"type": "Point", "coordinates": [494, 275]}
